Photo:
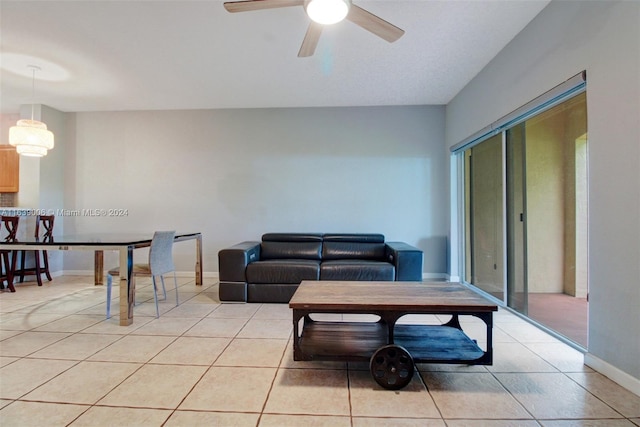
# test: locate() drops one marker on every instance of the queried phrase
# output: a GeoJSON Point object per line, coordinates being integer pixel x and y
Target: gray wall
{"type": "Point", "coordinates": [236, 174]}
{"type": "Point", "coordinates": [602, 38]}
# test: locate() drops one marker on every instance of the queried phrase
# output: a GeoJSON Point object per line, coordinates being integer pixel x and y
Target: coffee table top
{"type": "Point", "coordinates": [416, 297]}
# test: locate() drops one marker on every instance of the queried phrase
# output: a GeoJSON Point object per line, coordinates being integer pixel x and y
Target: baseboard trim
{"type": "Point", "coordinates": [622, 378]}
{"type": "Point", "coordinates": [206, 274]}
{"type": "Point", "coordinates": [215, 274]}
{"type": "Point", "coordinates": [434, 276]}
{"type": "Point", "coordinates": [53, 274]}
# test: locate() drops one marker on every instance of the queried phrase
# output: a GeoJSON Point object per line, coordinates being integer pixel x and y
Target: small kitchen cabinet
{"type": "Point", "coordinates": [9, 169]}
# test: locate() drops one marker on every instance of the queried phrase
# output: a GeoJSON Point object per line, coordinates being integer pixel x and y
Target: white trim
{"type": "Point", "coordinates": [434, 276]}
{"type": "Point", "coordinates": [53, 274]}
{"type": "Point", "coordinates": [456, 232]}
{"type": "Point", "coordinates": [215, 274]}
{"type": "Point", "coordinates": [625, 380]}
{"type": "Point", "coordinates": [505, 242]}
{"type": "Point", "coordinates": [206, 274]}
{"type": "Point", "coordinates": [77, 272]}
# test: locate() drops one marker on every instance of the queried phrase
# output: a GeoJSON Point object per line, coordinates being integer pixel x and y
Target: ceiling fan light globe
{"type": "Point", "coordinates": [327, 12]}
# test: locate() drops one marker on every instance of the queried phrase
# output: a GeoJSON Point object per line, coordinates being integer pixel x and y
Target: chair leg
{"type": "Point", "coordinates": [164, 289]}
{"type": "Point", "coordinates": [38, 268]}
{"type": "Point", "coordinates": [155, 296]}
{"type": "Point", "coordinates": [175, 282]}
{"type": "Point", "coordinates": [8, 272]}
{"type": "Point", "coordinates": [23, 256]}
{"type": "Point", "coordinates": [4, 266]}
{"type": "Point", "coordinates": [109, 283]}
{"type": "Point", "coordinates": [36, 255]}
{"type": "Point", "coordinates": [14, 257]}
{"type": "Point", "coordinates": [45, 258]}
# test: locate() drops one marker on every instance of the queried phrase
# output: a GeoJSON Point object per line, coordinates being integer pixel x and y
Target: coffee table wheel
{"type": "Point", "coordinates": [392, 367]}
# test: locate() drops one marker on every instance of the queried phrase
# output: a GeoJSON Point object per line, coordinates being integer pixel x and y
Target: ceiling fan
{"type": "Point", "coordinates": [345, 9]}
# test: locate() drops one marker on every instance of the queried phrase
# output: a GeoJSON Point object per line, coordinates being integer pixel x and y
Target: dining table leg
{"type": "Point", "coordinates": [127, 287]}
{"type": "Point", "coordinates": [98, 267]}
{"type": "Point", "coordinates": [199, 260]}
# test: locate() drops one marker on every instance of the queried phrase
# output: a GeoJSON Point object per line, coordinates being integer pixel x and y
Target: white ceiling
{"type": "Point", "coordinates": [111, 55]}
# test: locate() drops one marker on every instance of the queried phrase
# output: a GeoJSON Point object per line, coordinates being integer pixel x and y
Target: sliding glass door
{"type": "Point", "coordinates": [526, 217]}
{"type": "Point", "coordinates": [554, 145]}
{"type": "Point", "coordinates": [485, 240]}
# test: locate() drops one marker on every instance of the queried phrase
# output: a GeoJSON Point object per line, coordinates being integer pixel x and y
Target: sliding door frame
{"type": "Point", "coordinates": [566, 90]}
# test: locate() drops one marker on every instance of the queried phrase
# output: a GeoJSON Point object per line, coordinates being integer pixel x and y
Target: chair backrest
{"type": "Point", "coordinates": [161, 252]}
{"type": "Point", "coordinates": [47, 224]}
{"type": "Point", "coordinates": [11, 224]}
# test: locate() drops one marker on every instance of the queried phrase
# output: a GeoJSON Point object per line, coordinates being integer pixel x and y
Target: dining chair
{"type": "Point", "coordinates": [8, 264]}
{"type": "Point", "coordinates": [45, 223]}
{"type": "Point", "coordinates": [160, 263]}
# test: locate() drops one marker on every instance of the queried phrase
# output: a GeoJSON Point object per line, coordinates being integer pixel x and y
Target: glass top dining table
{"type": "Point", "coordinates": [125, 243]}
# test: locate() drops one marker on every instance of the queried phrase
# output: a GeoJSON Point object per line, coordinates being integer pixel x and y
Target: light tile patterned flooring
{"type": "Point", "coordinates": [206, 364]}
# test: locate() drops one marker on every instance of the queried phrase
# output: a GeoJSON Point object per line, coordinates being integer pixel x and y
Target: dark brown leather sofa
{"type": "Point", "coordinates": [272, 269]}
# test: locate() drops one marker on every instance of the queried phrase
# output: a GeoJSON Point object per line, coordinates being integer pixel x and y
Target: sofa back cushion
{"type": "Point", "coordinates": [354, 237]}
{"type": "Point", "coordinates": [291, 246]}
{"type": "Point", "coordinates": [292, 237]}
{"type": "Point", "coordinates": [353, 246]}
{"type": "Point", "coordinates": [290, 250]}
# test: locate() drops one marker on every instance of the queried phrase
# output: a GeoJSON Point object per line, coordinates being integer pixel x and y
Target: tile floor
{"type": "Point", "coordinates": [209, 364]}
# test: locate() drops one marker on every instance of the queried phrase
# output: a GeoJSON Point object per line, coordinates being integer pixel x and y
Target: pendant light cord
{"type": "Point", "coordinates": [34, 68]}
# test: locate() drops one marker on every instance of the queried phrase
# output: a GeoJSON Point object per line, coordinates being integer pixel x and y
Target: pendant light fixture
{"type": "Point", "coordinates": [31, 137]}
{"type": "Point", "coordinates": [327, 12]}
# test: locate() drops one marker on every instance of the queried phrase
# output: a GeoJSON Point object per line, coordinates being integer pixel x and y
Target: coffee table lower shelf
{"type": "Point", "coordinates": [357, 341]}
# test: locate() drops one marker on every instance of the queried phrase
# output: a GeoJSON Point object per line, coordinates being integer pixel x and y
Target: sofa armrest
{"type": "Point", "coordinates": [233, 261]}
{"type": "Point", "coordinates": [407, 260]}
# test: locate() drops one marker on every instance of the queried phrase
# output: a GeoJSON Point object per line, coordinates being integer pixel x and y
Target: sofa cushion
{"type": "Point", "coordinates": [353, 250]}
{"type": "Point", "coordinates": [357, 270]}
{"type": "Point", "coordinates": [290, 250]}
{"type": "Point", "coordinates": [283, 271]}
{"type": "Point", "coordinates": [271, 292]}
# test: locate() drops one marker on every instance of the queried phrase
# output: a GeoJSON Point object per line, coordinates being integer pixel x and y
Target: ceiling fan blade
{"type": "Point", "coordinates": [247, 5]}
{"type": "Point", "coordinates": [374, 24]}
{"type": "Point", "coordinates": [310, 40]}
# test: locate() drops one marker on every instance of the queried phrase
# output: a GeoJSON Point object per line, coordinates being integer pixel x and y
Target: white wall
{"type": "Point", "coordinates": [236, 174]}
{"type": "Point", "coordinates": [6, 121]}
{"type": "Point", "coordinates": [602, 38]}
{"type": "Point", "coordinates": [41, 179]}
{"type": "Point", "coordinates": [51, 174]}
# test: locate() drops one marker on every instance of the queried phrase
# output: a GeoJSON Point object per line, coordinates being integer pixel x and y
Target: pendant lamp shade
{"type": "Point", "coordinates": [31, 138]}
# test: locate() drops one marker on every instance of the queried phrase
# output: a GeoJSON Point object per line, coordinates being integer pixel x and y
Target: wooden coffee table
{"type": "Point", "coordinates": [391, 348]}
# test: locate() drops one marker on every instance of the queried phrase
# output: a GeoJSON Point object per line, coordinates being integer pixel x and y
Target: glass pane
{"type": "Point", "coordinates": [484, 207]}
{"type": "Point", "coordinates": [556, 218]}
